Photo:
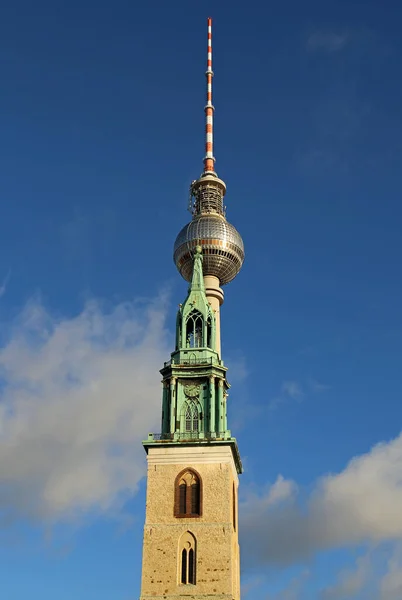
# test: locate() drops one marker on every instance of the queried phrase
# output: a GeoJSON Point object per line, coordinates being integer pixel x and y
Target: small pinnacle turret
{"type": "Point", "coordinates": [197, 280]}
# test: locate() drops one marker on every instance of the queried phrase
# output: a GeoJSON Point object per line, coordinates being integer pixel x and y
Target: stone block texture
{"type": "Point", "coordinates": [217, 561]}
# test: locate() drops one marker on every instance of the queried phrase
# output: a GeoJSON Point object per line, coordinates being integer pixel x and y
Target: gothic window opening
{"type": "Point", "coordinates": [209, 333]}
{"type": "Point", "coordinates": [184, 566]}
{"type": "Point", "coordinates": [194, 330]}
{"type": "Point", "coordinates": [191, 578]}
{"type": "Point", "coordinates": [191, 417]}
{"type": "Point", "coordinates": [195, 498]}
{"type": "Point", "coordinates": [188, 495]}
{"type": "Point", "coordinates": [234, 507]}
{"type": "Point", "coordinates": [187, 559]}
{"type": "Point", "coordinates": [182, 497]}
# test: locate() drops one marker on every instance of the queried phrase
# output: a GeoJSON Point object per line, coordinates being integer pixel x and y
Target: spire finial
{"type": "Point", "coordinates": [209, 160]}
{"type": "Point", "coordinates": [197, 279]}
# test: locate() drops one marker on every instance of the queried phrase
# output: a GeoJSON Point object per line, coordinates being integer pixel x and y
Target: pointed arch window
{"type": "Point", "coordinates": [190, 572]}
{"type": "Point", "coordinates": [188, 495]}
{"type": "Point", "coordinates": [183, 497]}
{"type": "Point", "coordinates": [194, 330]}
{"type": "Point", "coordinates": [234, 507]}
{"type": "Point", "coordinates": [195, 497]}
{"type": "Point", "coordinates": [209, 332]}
{"type": "Point", "coordinates": [187, 559]}
{"type": "Point", "coordinates": [192, 417]}
{"type": "Point", "coordinates": [184, 565]}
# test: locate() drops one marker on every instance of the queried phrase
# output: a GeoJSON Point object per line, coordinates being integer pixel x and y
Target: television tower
{"type": "Point", "coordinates": [222, 245]}
{"type": "Point", "coordinates": [190, 545]}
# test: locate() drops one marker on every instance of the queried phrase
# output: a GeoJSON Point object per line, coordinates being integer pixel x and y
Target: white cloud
{"type": "Point", "coordinates": [318, 387]}
{"type": "Point", "coordinates": [280, 491]}
{"type": "Point", "coordinates": [249, 586]}
{"type": "Point", "coordinates": [361, 503]}
{"type": "Point", "coordinates": [376, 575]}
{"type": "Point", "coordinates": [238, 368]}
{"type": "Point", "coordinates": [277, 493]}
{"type": "Point", "coordinates": [293, 590]}
{"type": "Point", "coordinates": [292, 389]}
{"type": "Point", "coordinates": [77, 397]}
{"type": "Point", "coordinates": [289, 390]}
{"type": "Point", "coordinates": [328, 41]}
{"type": "Point", "coordinates": [350, 581]}
{"type": "Point", "coordinates": [391, 583]}
{"type": "Point", "coordinates": [3, 286]}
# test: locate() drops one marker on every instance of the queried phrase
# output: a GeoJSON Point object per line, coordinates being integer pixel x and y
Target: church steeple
{"type": "Point", "coordinates": [191, 533]}
{"type": "Point", "coordinates": [195, 375]}
{"type": "Point", "coordinates": [196, 324]}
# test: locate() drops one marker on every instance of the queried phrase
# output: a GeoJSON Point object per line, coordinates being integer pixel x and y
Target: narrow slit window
{"type": "Point", "coordinates": [195, 419]}
{"type": "Point", "coordinates": [195, 499]}
{"type": "Point", "coordinates": [182, 498]}
{"type": "Point", "coordinates": [191, 574]}
{"type": "Point", "coordinates": [184, 566]}
{"type": "Point", "coordinates": [234, 507]}
{"type": "Point", "coordinates": [187, 559]}
{"type": "Point", "coordinates": [209, 333]}
{"type": "Point", "coordinates": [189, 419]}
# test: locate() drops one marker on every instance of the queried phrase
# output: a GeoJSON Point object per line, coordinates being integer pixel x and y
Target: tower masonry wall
{"type": "Point", "coordinates": [217, 570]}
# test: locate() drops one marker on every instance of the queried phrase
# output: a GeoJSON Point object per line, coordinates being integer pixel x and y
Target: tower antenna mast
{"type": "Point", "coordinates": [209, 160]}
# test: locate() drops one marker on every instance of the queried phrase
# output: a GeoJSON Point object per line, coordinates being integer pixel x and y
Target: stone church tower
{"type": "Point", "coordinates": [190, 543]}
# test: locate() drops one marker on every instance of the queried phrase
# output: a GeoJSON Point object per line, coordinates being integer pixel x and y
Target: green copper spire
{"type": "Point", "coordinates": [196, 326]}
{"type": "Point", "coordinates": [194, 380]}
{"type": "Point", "coordinates": [197, 279]}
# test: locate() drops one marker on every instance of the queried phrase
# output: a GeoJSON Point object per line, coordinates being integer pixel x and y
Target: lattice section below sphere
{"type": "Point", "coordinates": [222, 248]}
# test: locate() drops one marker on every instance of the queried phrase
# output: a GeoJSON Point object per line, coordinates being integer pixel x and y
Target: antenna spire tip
{"type": "Point", "coordinates": [209, 160]}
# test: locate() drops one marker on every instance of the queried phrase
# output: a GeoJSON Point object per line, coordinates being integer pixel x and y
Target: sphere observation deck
{"type": "Point", "coordinates": [221, 243]}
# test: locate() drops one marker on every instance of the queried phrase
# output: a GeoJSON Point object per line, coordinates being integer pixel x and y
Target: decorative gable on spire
{"type": "Point", "coordinates": [195, 318]}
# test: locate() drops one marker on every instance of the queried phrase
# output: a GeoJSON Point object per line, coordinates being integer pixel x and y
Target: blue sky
{"type": "Point", "coordinates": [101, 114]}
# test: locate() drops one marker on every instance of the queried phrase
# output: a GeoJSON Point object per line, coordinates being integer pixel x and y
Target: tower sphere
{"type": "Point", "coordinates": [222, 247]}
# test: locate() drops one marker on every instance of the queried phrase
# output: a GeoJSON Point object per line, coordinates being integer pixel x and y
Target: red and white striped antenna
{"type": "Point", "coordinates": [209, 160]}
